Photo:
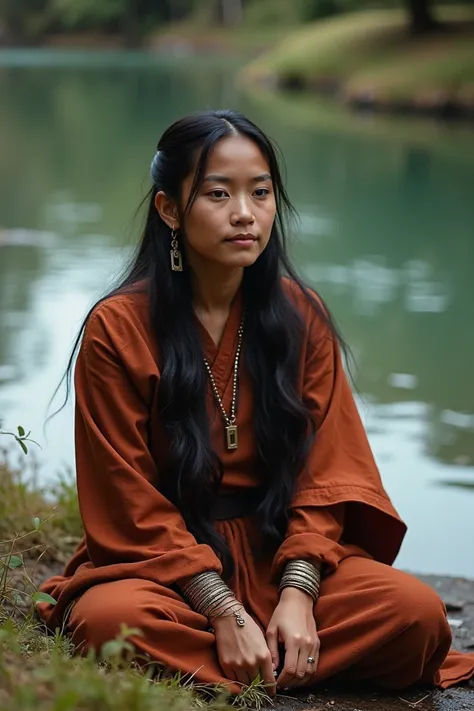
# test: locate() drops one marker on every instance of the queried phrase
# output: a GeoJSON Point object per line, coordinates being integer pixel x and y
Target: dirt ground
{"type": "Point", "coordinates": [458, 595]}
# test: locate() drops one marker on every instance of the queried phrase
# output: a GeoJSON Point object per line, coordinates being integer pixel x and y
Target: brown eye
{"type": "Point", "coordinates": [262, 192]}
{"type": "Point", "coordinates": [218, 194]}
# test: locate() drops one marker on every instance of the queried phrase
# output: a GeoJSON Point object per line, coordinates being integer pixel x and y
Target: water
{"type": "Point", "coordinates": [387, 236]}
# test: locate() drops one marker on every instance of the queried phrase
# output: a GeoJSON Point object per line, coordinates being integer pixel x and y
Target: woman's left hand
{"type": "Point", "coordinates": [294, 626]}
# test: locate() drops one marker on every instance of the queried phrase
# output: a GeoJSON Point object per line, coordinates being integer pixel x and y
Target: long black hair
{"type": "Point", "coordinates": [191, 475]}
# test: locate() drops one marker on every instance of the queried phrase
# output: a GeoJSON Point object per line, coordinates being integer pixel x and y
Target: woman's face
{"type": "Point", "coordinates": [232, 217]}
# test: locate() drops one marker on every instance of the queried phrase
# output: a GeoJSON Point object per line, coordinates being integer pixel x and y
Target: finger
{"type": "Point", "coordinates": [268, 678]}
{"type": "Point", "coordinates": [311, 668]}
{"type": "Point", "coordinates": [314, 667]}
{"type": "Point", "coordinates": [287, 676]}
{"type": "Point", "coordinates": [272, 641]}
{"type": "Point", "coordinates": [242, 676]}
{"type": "Point", "coordinates": [228, 672]}
{"type": "Point", "coordinates": [253, 672]}
{"type": "Point", "coordinates": [249, 672]}
{"type": "Point", "coordinates": [302, 664]}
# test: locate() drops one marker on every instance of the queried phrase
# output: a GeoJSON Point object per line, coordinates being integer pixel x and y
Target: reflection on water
{"type": "Point", "coordinates": [387, 237]}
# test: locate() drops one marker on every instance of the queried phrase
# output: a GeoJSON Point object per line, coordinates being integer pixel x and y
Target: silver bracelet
{"type": "Point", "coordinates": [303, 575]}
{"type": "Point", "coordinates": [208, 595]}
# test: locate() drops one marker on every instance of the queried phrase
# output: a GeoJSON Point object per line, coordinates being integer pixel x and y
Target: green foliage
{"type": "Point", "coordinates": [88, 13]}
{"type": "Point", "coordinates": [49, 517]}
{"type": "Point", "coordinates": [373, 52]}
{"type": "Point", "coordinates": [25, 20]}
{"type": "Point", "coordinates": [31, 19]}
{"type": "Point", "coordinates": [39, 673]}
{"type": "Point", "coordinates": [21, 438]}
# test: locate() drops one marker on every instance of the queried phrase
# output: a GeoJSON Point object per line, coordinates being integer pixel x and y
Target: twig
{"type": "Point", "coordinates": [414, 704]}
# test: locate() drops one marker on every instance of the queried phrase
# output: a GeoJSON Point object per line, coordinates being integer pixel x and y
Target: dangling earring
{"type": "Point", "coordinates": [175, 253]}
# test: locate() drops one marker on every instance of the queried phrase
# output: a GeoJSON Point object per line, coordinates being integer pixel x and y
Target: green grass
{"type": "Point", "coordinates": [40, 673]}
{"type": "Point", "coordinates": [372, 51]}
{"type": "Point", "coordinates": [39, 528]}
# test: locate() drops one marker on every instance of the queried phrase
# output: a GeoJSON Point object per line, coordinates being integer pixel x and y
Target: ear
{"type": "Point", "coordinates": [167, 209]}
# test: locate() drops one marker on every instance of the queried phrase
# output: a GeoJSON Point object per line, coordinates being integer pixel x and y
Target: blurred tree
{"type": "Point", "coordinates": [422, 20]}
{"type": "Point", "coordinates": [24, 20]}
{"type": "Point", "coordinates": [316, 9]}
{"type": "Point", "coordinates": [231, 11]}
{"type": "Point", "coordinates": [122, 15]}
{"type": "Point", "coordinates": [27, 20]}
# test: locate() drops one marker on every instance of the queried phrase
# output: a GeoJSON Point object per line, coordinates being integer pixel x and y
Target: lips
{"type": "Point", "coordinates": [242, 237]}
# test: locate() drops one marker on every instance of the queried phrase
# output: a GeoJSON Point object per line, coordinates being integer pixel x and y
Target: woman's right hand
{"type": "Point", "coordinates": [243, 651]}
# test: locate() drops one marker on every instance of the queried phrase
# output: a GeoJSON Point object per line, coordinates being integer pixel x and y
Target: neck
{"type": "Point", "coordinates": [215, 287]}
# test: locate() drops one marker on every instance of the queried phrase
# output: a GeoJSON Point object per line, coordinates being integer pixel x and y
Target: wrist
{"type": "Point", "coordinates": [228, 616]}
{"type": "Point", "coordinates": [233, 613]}
{"type": "Point", "coordinates": [290, 594]}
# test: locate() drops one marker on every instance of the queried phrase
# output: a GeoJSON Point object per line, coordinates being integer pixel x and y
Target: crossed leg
{"type": "Point", "coordinates": [376, 624]}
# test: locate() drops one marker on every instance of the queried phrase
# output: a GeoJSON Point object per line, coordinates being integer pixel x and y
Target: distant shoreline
{"type": "Point", "coordinates": [366, 61]}
{"type": "Point", "coordinates": [369, 62]}
{"type": "Point", "coordinates": [186, 40]}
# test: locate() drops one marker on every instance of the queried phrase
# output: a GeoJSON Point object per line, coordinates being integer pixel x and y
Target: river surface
{"type": "Point", "coordinates": [386, 236]}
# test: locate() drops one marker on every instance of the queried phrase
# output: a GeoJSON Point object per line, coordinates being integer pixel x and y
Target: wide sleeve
{"type": "Point", "coordinates": [126, 519]}
{"type": "Point", "coordinates": [339, 492]}
{"type": "Point", "coordinates": [313, 534]}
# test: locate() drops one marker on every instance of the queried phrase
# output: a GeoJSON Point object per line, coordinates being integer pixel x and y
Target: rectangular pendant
{"type": "Point", "coordinates": [176, 261]}
{"type": "Point", "coordinates": [231, 436]}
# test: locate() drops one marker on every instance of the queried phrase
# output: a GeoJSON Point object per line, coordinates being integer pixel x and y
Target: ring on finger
{"type": "Point", "coordinates": [311, 660]}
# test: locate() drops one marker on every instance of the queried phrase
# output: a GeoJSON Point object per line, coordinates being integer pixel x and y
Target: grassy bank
{"type": "Point", "coordinates": [38, 531]}
{"type": "Point", "coordinates": [370, 59]}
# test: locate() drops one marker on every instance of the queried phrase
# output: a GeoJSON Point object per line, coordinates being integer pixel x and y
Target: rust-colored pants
{"type": "Point", "coordinates": [375, 623]}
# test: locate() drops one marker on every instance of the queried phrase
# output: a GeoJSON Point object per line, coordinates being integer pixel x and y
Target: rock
{"type": "Point", "coordinates": [454, 605]}
{"type": "Point", "coordinates": [455, 622]}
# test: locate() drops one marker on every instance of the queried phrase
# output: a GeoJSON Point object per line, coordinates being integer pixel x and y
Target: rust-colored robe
{"type": "Point", "coordinates": [374, 622]}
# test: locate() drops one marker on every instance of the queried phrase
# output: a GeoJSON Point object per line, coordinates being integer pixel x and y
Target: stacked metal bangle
{"type": "Point", "coordinates": [208, 595]}
{"type": "Point", "coordinates": [303, 575]}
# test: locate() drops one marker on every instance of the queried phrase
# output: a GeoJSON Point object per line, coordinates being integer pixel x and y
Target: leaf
{"type": "Point", "coordinates": [36, 523]}
{"type": "Point", "coordinates": [21, 431]}
{"type": "Point", "coordinates": [23, 446]}
{"type": "Point", "coordinates": [111, 649]}
{"type": "Point", "coordinates": [43, 597]}
{"type": "Point", "coordinates": [15, 562]}
{"type": "Point", "coordinates": [129, 631]}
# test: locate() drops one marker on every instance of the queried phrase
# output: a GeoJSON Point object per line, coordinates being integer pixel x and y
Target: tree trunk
{"type": "Point", "coordinates": [130, 24]}
{"type": "Point", "coordinates": [421, 17]}
{"type": "Point", "coordinates": [231, 12]}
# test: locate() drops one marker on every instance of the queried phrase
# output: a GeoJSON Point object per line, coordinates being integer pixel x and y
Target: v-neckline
{"type": "Point", "coordinates": [221, 357]}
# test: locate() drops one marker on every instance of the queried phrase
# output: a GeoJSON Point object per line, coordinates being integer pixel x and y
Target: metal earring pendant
{"type": "Point", "coordinates": [175, 254]}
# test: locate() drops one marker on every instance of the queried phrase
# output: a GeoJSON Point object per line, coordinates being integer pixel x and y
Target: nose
{"type": "Point", "coordinates": [242, 213]}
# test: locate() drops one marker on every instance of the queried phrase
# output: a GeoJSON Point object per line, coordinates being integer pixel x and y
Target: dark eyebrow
{"type": "Point", "coordinates": [224, 179]}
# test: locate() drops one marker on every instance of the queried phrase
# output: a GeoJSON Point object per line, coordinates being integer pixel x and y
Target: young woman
{"type": "Point", "coordinates": [232, 508]}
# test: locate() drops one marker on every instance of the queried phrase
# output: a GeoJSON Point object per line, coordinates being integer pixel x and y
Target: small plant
{"type": "Point", "coordinates": [21, 437]}
{"type": "Point", "coordinates": [18, 593]}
